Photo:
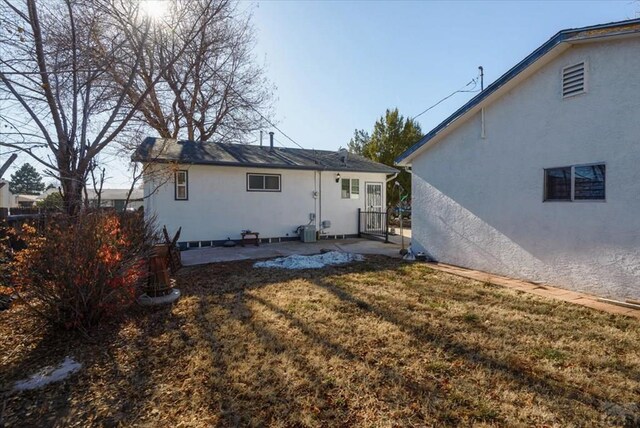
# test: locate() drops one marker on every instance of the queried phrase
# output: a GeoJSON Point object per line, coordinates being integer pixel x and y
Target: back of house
{"type": "Point", "coordinates": [215, 191]}
{"type": "Point", "coordinates": [538, 176]}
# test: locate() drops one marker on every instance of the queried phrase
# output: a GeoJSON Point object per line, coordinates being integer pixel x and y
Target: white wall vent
{"type": "Point", "coordinates": [574, 80]}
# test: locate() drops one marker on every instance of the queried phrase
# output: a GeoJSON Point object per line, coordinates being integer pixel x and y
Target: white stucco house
{"type": "Point", "coordinates": [538, 176]}
{"type": "Point", "coordinates": [214, 191]}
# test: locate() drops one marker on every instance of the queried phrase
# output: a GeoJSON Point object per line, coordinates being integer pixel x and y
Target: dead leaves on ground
{"type": "Point", "coordinates": [378, 343]}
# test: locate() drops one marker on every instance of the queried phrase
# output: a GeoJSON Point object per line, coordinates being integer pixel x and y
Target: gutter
{"type": "Point", "coordinates": [268, 166]}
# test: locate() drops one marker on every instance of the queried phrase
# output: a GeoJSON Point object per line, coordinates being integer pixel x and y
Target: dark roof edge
{"type": "Point", "coordinates": [506, 77]}
{"type": "Point", "coordinates": [389, 170]}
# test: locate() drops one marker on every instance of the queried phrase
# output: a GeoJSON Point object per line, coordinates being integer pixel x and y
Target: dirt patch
{"type": "Point", "coordinates": [375, 343]}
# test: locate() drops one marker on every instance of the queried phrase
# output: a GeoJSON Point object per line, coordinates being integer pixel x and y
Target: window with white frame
{"type": "Point", "coordinates": [350, 188]}
{"type": "Point", "coordinates": [263, 182]}
{"type": "Point", "coordinates": [575, 183]}
{"type": "Point", "coordinates": [182, 185]}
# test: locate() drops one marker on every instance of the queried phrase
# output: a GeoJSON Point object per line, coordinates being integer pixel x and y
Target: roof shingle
{"type": "Point", "coordinates": [164, 150]}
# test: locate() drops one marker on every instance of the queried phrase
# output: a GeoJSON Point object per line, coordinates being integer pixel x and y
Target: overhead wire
{"type": "Point", "coordinates": [279, 142]}
{"type": "Point", "coordinates": [473, 82]}
{"type": "Point", "coordinates": [260, 113]}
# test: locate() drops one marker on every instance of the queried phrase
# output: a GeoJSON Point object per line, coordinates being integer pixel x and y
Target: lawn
{"type": "Point", "coordinates": [374, 343]}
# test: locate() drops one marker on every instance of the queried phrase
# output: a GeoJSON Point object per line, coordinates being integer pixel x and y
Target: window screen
{"type": "Point", "coordinates": [272, 182]}
{"type": "Point", "coordinates": [181, 185]}
{"type": "Point", "coordinates": [575, 183]}
{"type": "Point", "coordinates": [350, 188]}
{"type": "Point", "coordinates": [355, 188]}
{"type": "Point", "coordinates": [263, 182]}
{"type": "Point", "coordinates": [589, 182]}
{"type": "Point", "coordinates": [256, 182]}
{"type": "Point", "coordinates": [558, 184]}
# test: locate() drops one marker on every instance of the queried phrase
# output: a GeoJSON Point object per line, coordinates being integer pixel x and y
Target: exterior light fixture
{"type": "Point", "coordinates": [337, 177]}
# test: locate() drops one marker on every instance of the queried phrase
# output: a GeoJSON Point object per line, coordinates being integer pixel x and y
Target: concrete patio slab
{"type": "Point", "coordinates": [199, 256]}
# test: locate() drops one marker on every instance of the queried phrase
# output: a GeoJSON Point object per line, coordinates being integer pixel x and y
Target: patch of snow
{"type": "Point", "coordinates": [49, 375]}
{"type": "Point", "coordinates": [310, 262]}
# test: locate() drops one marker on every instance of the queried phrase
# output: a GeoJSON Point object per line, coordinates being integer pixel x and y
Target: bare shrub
{"type": "Point", "coordinates": [79, 270]}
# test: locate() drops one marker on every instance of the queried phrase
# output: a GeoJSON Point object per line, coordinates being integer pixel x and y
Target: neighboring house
{"type": "Point", "coordinates": [538, 176]}
{"type": "Point", "coordinates": [110, 198]}
{"type": "Point", "coordinates": [116, 198]}
{"type": "Point", "coordinates": [216, 190]}
{"type": "Point", "coordinates": [7, 199]}
{"type": "Point", "coordinates": [25, 201]}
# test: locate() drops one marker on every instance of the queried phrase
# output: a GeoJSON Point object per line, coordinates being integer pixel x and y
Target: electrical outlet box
{"type": "Point", "coordinates": [312, 216]}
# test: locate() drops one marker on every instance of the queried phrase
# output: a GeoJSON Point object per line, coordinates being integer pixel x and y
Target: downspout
{"type": "Point", "coordinates": [393, 177]}
{"type": "Point", "coordinates": [316, 198]}
{"type": "Point", "coordinates": [319, 202]}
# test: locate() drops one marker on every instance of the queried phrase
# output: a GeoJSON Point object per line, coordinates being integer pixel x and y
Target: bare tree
{"type": "Point", "coordinates": [7, 164]}
{"type": "Point", "coordinates": [152, 174]}
{"type": "Point", "coordinates": [57, 60]}
{"type": "Point", "coordinates": [97, 183]}
{"type": "Point", "coordinates": [214, 90]}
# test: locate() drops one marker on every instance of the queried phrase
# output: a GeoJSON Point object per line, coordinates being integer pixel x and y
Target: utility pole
{"type": "Point", "coordinates": [481, 78]}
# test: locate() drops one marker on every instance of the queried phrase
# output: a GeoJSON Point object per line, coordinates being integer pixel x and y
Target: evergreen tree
{"type": "Point", "coordinates": [53, 201]}
{"type": "Point", "coordinates": [392, 135]}
{"type": "Point", "coordinates": [359, 141]}
{"type": "Point", "coordinates": [26, 181]}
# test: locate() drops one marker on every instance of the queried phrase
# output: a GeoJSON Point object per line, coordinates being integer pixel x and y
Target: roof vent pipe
{"type": "Point", "coordinates": [344, 155]}
{"type": "Point", "coordinates": [271, 140]}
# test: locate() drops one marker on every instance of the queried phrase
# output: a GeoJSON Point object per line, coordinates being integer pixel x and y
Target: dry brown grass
{"type": "Point", "coordinates": [377, 343]}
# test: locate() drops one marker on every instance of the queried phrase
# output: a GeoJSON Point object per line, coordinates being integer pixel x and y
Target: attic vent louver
{"type": "Point", "coordinates": [573, 80]}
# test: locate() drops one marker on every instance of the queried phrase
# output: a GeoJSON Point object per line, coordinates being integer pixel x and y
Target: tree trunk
{"type": "Point", "coordinates": [72, 186]}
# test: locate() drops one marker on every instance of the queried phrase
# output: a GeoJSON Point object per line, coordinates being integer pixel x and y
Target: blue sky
{"type": "Point", "coordinates": [338, 65]}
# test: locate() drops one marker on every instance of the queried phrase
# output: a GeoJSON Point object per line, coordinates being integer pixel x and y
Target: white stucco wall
{"type": "Point", "coordinates": [479, 202]}
{"type": "Point", "coordinates": [220, 206]}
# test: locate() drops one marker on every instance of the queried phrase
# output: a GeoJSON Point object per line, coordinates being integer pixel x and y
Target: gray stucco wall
{"type": "Point", "coordinates": [479, 202]}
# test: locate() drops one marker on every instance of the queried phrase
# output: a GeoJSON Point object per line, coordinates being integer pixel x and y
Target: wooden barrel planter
{"type": "Point", "coordinates": [164, 259]}
{"type": "Point", "coordinates": [159, 282]}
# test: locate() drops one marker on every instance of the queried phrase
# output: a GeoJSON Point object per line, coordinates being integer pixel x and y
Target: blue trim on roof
{"type": "Point", "coordinates": [554, 41]}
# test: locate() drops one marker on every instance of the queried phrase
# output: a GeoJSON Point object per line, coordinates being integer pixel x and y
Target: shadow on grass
{"type": "Point", "coordinates": [443, 339]}
{"type": "Point", "coordinates": [242, 313]}
{"type": "Point", "coordinates": [52, 405]}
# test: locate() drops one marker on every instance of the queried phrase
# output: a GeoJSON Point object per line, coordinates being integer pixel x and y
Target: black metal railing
{"type": "Point", "coordinates": [373, 223]}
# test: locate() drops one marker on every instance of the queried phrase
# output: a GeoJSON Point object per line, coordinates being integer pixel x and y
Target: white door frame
{"type": "Point", "coordinates": [366, 196]}
{"type": "Point", "coordinates": [373, 221]}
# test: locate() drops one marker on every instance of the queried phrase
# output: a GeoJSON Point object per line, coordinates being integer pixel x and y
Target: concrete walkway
{"type": "Point", "coordinates": [540, 290]}
{"type": "Point", "coordinates": [199, 256]}
{"type": "Point", "coordinates": [397, 238]}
